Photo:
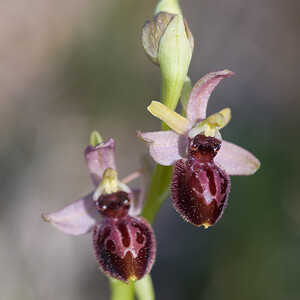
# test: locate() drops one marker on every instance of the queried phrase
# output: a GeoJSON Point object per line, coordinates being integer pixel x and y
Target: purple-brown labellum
{"type": "Point", "coordinates": [199, 188]}
{"type": "Point", "coordinates": [124, 246]}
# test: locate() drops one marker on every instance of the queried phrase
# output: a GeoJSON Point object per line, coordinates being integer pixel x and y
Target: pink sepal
{"type": "Point", "coordinates": [197, 104]}
{"type": "Point", "coordinates": [99, 158]}
{"type": "Point", "coordinates": [77, 218]}
{"type": "Point", "coordinates": [166, 147]}
{"type": "Point", "coordinates": [235, 160]}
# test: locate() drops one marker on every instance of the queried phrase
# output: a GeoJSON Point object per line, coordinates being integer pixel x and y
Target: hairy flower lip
{"type": "Point", "coordinates": [200, 189]}
{"type": "Point", "coordinates": [127, 263]}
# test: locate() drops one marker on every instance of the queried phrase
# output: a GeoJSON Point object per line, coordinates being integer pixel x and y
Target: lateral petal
{"type": "Point", "coordinates": [236, 160]}
{"type": "Point", "coordinates": [174, 120]}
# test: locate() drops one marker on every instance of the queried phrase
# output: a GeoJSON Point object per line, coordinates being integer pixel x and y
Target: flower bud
{"type": "Point", "coordinates": [95, 138]}
{"type": "Point", "coordinates": [169, 43]}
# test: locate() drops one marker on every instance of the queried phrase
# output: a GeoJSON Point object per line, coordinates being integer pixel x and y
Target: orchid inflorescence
{"type": "Point", "coordinates": [124, 242]}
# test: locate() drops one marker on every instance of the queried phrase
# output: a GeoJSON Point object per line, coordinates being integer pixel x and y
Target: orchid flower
{"type": "Point", "coordinates": [124, 243]}
{"type": "Point", "coordinates": [202, 161]}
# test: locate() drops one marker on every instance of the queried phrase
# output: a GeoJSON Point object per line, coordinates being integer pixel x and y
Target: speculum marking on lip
{"type": "Point", "coordinates": [211, 179]}
{"type": "Point", "coordinates": [125, 235]}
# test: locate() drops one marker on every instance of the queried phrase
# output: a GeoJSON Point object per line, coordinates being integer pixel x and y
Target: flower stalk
{"type": "Point", "coordinates": [120, 290]}
{"type": "Point", "coordinates": [143, 289]}
{"type": "Point", "coordinates": [158, 192]}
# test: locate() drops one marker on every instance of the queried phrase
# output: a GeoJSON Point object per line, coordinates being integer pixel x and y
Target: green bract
{"type": "Point", "coordinates": [174, 57]}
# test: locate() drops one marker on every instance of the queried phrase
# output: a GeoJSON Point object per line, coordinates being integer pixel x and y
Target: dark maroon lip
{"type": "Point", "coordinates": [199, 188]}
{"type": "Point", "coordinates": [124, 246]}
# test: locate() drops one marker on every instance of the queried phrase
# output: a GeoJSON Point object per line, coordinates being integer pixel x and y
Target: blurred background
{"type": "Point", "coordinates": [71, 66]}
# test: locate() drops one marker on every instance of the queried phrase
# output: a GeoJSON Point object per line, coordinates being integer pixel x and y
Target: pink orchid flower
{"type": "Point", "coordinates": [124, 243]}
{"type": "Point", "coordinates": [202, 160]}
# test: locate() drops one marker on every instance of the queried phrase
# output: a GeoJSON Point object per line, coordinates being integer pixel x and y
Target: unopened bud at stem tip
{"type": "Point", "coordinates": [95, 138]}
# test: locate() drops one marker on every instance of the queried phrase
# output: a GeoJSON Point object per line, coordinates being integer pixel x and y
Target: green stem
{"type": "Point", "coordinates": [120, 290]}
{"type": "Point", "coordinates": [158, 192]}
{"type": "Point", "coordinates": [144, 288]}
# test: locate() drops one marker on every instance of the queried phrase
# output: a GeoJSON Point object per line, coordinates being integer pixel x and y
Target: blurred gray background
{"type": "Point", "coordinates": [70, 66]}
